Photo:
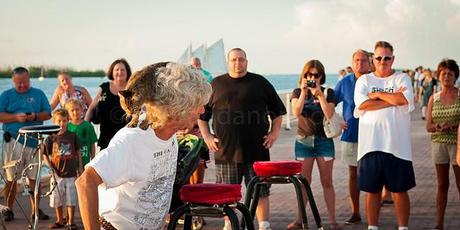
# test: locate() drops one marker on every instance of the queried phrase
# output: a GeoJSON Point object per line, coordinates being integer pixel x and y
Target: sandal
{"type": "Point", "coordinates": [56, 225]}
{"type": "Point", "coordinates": [384, 202]}
{"type": "Point", "coordinates": [355, 218]}
{"type": "Point", "coordinates": [294, 226]}
{"type": "Point", "coordinates": [334, 226]}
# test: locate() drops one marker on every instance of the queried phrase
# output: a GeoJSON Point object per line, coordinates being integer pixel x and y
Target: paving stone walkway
{"type": "Point", "coordinates": [283, 204]}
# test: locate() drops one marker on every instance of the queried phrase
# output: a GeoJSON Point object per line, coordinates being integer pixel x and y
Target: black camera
{"type": "Point", "coordinates": [311, 83]}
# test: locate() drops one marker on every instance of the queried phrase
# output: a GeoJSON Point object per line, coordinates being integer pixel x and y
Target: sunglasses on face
{"type": "Point", "coordinates": [315, 75]}
{"type": "Point", "coordinates": [384, 58]}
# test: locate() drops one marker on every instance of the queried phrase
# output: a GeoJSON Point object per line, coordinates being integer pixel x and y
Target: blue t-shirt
{"type": "Point", "coordinates": [344, 92]}
{"type": "Point", "coordinates": [207, 75]}
{"type": "Point", "coordinates": [32, 101]}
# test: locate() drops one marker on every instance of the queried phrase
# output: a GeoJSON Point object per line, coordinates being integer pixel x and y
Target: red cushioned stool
{"type": "Point", "coordinates": [281, 172]}
{"type": "Point", "coordinates": [211, 200]}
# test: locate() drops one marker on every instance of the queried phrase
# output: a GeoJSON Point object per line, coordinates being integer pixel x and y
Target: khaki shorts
{"type": "Point", "coordinates": [444, 153]}
{"type": "Point", "coordinates": [12, 157]}
{"type": "Point", "coordinates": [65, 193]}
{"type": "Point", "coordinates": [350, 153]}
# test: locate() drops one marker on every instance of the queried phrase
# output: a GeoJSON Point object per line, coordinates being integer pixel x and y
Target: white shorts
{"type": "Point", "coordinates": [65, 193]}
{"type": "Point", "coordinates": [350, 153]}
{"type": "Point", "coordinates": [18, 161]}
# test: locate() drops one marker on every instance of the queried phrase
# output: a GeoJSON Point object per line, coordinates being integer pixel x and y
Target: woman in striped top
{"type": "Point", "coordinates": [443, 117]}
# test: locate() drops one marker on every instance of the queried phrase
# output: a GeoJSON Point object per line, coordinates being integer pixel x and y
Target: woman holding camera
{"type": "Point", "coordinates": [310, 104]}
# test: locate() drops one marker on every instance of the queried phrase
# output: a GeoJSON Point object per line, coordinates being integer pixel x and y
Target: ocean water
{"type": "Point", "coordinates": [281, 82]}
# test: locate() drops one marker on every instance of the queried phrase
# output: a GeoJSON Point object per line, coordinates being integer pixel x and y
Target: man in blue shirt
{"type": "Point", "coordinates": [196, 63]}
{"type": "Point", "coordinates": [344, 92]}
{"type": "Point", "coordinates": [21, 106]}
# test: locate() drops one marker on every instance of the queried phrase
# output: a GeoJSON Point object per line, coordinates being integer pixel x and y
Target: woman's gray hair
{"type": "Point", "coordinates": [180, 90]}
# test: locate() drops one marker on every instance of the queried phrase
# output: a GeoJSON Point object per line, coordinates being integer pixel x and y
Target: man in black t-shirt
{"type": "Point", "coordinates": [240, 106]}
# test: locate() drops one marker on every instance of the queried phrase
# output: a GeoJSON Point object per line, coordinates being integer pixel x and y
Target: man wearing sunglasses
{"type": "Point", "coordinates": [384, 100]}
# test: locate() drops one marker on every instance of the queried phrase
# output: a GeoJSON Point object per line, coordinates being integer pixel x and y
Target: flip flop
{"type": "Point", "coordinates": [294, 226]}
{"type": "Point", "coordinates": [56, 225]}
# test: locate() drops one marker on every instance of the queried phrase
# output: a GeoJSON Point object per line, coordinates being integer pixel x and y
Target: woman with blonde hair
{"type": "Point", "coordinates": [442, 120]}
{"type": "Point", "coordinates": [311, 103]}
{"type": "Point", "coordinates": [67, 90]}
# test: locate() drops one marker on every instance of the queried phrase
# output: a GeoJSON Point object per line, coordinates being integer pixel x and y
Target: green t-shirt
{"type": "Point", "coordinates": [87, 136]}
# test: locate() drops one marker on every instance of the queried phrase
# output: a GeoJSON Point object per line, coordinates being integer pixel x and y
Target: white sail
{"type": "Point", "coordinates": [212, 58]}
{"type": "Point", "coordinates": [186, 56]}
{"type": "Point", "coordinates": [200, 53]}
{"type": "Point", "coordinates": [216, 58]}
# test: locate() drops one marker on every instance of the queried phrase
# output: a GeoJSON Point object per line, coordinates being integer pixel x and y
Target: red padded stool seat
{"type": "Point", "coordinates": [277, 168]}
{"type": "Point", "coordinates": [211, 193]}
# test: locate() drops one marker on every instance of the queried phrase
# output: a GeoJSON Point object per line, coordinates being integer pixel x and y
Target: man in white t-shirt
{"type": "Point", "coordinates": [135, 173]}
{"type": "Point", "coordinates": [384, 100]}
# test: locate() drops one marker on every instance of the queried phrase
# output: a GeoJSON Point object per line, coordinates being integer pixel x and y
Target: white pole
{"type": "Point", "coordinates": [288, 111]}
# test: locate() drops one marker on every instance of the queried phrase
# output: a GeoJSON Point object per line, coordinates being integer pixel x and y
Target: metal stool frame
{"type": "Point", "coordinates": [253, 191]}
{"type": "Point", "coordinates": [40, 131]}
{"type": "Point", "coordinates": [205, 210]}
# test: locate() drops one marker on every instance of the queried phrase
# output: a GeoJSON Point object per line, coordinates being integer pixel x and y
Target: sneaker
{"type": "Point", "coordinates": [41, 215]}
{"type": "Point", "coordinates": [384, 202]}
{"type": "Point", "coordinates": [353, 220]}
{"type": "Point", "coordinates": [264, 225]}
{"type": "Point", "coordinates": [8, 215]}
{"type": "Point", "coordinates": [197, 223]}
{"type": "Point", "coordinates": [227, 225]}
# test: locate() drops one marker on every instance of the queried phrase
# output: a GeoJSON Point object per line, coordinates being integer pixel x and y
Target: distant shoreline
{"type": "Point", "coordinates": [36, 72]}
{"type": "Point", "coordinates": [73, 76]}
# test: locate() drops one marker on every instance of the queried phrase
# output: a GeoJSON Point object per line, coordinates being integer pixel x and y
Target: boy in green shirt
{"type": "Point", "coordinates": [83, 129]}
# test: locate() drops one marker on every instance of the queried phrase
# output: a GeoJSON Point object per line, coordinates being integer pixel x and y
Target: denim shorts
{"type": "Point", "coordinates": [314, 146]}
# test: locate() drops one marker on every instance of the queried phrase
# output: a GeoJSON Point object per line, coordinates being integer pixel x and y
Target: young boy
{"type": "Point", "coordinates": [83, 129]}
{"type": "Point", "coordinates": [64, 149]}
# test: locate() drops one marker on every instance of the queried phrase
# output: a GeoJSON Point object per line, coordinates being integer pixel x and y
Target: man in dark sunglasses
{"type": "Point", "coordinates": [384, 100]}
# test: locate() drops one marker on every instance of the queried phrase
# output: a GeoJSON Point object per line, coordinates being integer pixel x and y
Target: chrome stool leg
{"type": "Point", "coordinates": [176, 216]}
{"type": "Point", "coordinates": [311, 200]}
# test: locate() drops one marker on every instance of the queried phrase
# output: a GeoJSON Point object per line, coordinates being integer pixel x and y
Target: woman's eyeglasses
{"type": "Point", "coordinates": [384, 58]}
{"type": "Point", "coordinates": [315, 75]}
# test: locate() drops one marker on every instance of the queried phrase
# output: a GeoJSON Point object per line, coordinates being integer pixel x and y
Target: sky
{"type": "Point", "coordinates": [279, 36]}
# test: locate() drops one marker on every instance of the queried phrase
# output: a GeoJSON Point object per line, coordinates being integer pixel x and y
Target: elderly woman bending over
{"type": "Point", "coordinates": [139, 165]}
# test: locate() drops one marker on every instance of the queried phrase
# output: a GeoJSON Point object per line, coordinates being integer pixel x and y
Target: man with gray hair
{"type": "Point", "coordinates": [21, 106]}
{"type": "Point", "coordinates": [344, 92]}
{"type": "Point", "coordinates": [135, 173]}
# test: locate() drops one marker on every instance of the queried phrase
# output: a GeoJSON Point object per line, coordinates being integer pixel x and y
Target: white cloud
{"type": "Point", "coordinates": [422, 32]}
